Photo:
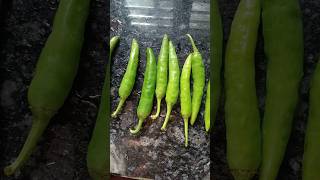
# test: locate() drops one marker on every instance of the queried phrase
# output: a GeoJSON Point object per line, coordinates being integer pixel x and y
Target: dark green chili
{"type": "Point", "coordinates": [98, 157]}
{"type": "Point", "coordinates": [311, 159]}
{"type": "Point", "coordinates": [207, 110]}
{"type": "Point", "coordinates": [173, 84]}
{"type": "Point", "coordinates": [56, 69]}
{"type": "Point", "coordinates": [185, 95]}
{"type": "Point", "coordinates": [199, 78]}
{"type": "Point", "coordinates": [283, 38]}
{"type": "Point", "coordinates": [216, 55]}
{"type": "Point", "coordinates": [241, 106]}
{"type": "Point", "coordinates": [162, 73]}
{"type": "Point", "coordinates": [129, 77]}
{"type": "Point", "coordinates": [148, 88]}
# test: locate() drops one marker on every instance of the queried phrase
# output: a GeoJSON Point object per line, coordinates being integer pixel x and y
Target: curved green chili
{"type": "Point", "coordinates": [113, 42]}
{"type": "Point", "coordinates": [283, 38]}
{"type": "Point", "coordinates": [129, 77]}
{"type": "Point", "coordinates": [98, 157]}
{"type": "Point", "coordinates": [199, 78]}
{"type": "Point", "coordinates": [311, 159]}
{"type": "Point", "coordinates": [241, 106]}
{"type": "Point", "coordinates": [207, 110]}
{"type": "Point", "coordinates": [185, 95]}
{"type": "Point", "coordinates": [148, 88]}
{"type": "Point", "coordinates": [216, 56]}
{"type": "Point", "coordinates": [162, 74]}
{"type": "Point", "coordinates": [173, 84]}
{"type": "Point", "coordinates": [56, 69]}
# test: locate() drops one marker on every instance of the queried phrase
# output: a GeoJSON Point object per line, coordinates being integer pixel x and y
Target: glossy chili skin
{"type": "Point", "coordinates": [199, 78]}
{"type": "Point", "coordinates": [283, 45]}
{"type": "Point", "coordinates": [148, 89]}
{"type": "Point", "coordinates": [55, 71]}
{"type": "Point", "coordinates": [173, 83]}
{"type": "Point", "coordinates": [216, 56]}
{"type": "Point", "coordinates": [241, 106]}
{"type": "Point", "coordinates": [311, 157]}
{"type": "Point", "coordinates": [129, 77]}
{"type": "Point", "coordinates": [207, 110]}
{"type": "Point", "coordinates": [162, 74]}
{"type": "Point", "coordinates": [98, 157]}
{"type": "Point", "coordinates": [185, 95]}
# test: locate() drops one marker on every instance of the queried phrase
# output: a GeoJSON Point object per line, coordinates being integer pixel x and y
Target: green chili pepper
{"type": "Point", "coordinates": [241, 106]}
{"type": "Point", "coordinates": [162, 74]}
{"type": "Point", "coordinates": [311, 159]}
{"type": "Point", "coordinates": [216, 56]}
{"type": "Point", "coordinates": [148, 88]}
{"type": "Point", "coordinates": [113, 42]}
{"type": "Point", "coordinates": [55, 72]}
{"type": "Point", "coordinates": [129, 77]}
{"type": "Point", "coordinates": [283, 38]}
{"type": "Point", "coordinates": [199, 78]}
{"type": "Point", "coordinates": [98, 152]}
{"type": "Point", "coordinates": [207, 110]}
{"type": "Point", "coordinates": [173, 84]}
{"type": "Point", "coordinates": [185, 95]}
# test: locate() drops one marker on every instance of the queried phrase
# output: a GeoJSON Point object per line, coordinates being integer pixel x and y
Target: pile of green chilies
{"type": "Point", "coordinates": [57, 67]}
{"type": "Point", "coordinates": [250, 148]}
{"type": "Point", "coordinates": [163, 78]}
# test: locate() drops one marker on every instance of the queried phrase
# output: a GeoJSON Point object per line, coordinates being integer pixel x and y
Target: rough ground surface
{"type": "Point", "coordinates": [61, 152]}
{"type": "Point", "coordinates": [152, 153]}
{"type": "Point", "coordinates": [291, 167]}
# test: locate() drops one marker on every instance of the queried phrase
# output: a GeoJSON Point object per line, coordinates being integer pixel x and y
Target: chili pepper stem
{"type": "Point", "coordinates": [186, 122]}
{"type": "Point", "coordinates": [137, 128]}
{"type": "Point", "coordinates": [164, 126]}
{"type": "Point", "coordinates": [38, 126]}
{"type": "Point", "coordinates": [115, 113]}
{"type": "Point", "coordinates": [195, 49]}
{"type": "Point", "coordinates": [155, 116]}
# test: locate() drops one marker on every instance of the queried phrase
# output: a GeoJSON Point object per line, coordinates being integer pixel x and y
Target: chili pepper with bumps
{"type": "Point", "coordinates": [172, 92]}
{"type": "Point", "coordinates": [241, 107]}
{"type": "Point", "coordinates": [283, 45]}
{"type": "Point", "coordinates": [129, 77]}
{"type": "Point", "coordinates": [185, 95]}
{"type": "Point", "coordinates": [148, 88]}
{"type": "Point", "coordinates": [199, 78]}
{"type": "Point", "coordinates": [162, 74]}
{"type": "Point", "coordinates": [55, 71]}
